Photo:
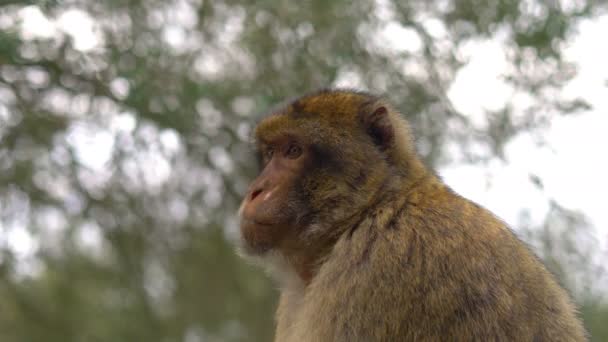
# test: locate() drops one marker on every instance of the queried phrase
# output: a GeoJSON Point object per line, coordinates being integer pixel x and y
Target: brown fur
{"type": "Point", "coordinates": [386, 252]}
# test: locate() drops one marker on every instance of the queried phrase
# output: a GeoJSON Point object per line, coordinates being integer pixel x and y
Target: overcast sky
{"type": "Point", "coordinates": [574, 164]}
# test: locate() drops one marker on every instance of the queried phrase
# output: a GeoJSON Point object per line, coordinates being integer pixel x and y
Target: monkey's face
{"type": "Point", "coordinates": [322, 161]}
{"type": "Point", "coordinates": [273, 207]}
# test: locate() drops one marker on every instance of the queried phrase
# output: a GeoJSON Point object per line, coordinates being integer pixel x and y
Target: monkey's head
{"type": "Point", "coordinates": [323, 159]}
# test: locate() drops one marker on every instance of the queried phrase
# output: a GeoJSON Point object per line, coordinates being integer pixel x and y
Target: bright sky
{"type": "Point", "coordinates": [573, 166]}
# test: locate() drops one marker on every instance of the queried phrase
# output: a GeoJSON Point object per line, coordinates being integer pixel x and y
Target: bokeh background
{"type": "Point", "coordinates": [124, 127]}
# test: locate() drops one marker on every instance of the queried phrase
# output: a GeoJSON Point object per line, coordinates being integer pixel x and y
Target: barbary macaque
{"type": "Point", "coordinates": [368, 244]}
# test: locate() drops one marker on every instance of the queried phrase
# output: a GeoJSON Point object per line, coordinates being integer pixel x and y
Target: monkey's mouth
{"type": "Point", "coordinates": [256, 222]}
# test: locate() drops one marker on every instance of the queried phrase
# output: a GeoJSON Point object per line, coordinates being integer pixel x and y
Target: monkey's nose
{"type": "Point", "coordinates": [255, 194]}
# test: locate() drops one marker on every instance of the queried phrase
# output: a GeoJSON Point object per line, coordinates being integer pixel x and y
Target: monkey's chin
{"type": "Point", "coordinates": [258, 238]}
{"type": "Point", "coordinates": [248, 249]}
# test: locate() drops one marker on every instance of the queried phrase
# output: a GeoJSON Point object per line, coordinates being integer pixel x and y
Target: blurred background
{"type": "Point", "coordinates": [123, 144]}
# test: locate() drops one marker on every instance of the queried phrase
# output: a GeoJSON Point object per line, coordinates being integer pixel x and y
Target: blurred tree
{"type": "Point", "coordinates": [123, 130]}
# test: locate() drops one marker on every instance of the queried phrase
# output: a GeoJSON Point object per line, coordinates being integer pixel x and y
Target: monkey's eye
{"type": "Point", "coordinates": [268, 153]}
{"type": "Point", "coordinates": [293, 152]}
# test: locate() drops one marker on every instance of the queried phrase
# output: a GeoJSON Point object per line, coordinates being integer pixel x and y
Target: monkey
{"type": "Point", "coordinates": [368, 244]}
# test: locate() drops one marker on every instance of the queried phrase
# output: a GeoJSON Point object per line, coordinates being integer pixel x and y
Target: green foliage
{"type": "Point", "coordinates": [123, 154]}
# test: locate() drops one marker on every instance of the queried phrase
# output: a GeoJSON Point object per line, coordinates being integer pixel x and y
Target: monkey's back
{"type": "Point", "coordinates": [430, 265]}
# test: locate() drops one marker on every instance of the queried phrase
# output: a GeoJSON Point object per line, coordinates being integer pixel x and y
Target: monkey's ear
{"type": "Point", "coordinates": [379, 127]}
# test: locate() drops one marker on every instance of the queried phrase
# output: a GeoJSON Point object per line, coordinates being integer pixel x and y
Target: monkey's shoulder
{"type": "Point", "coordinates": [426, 264]}
{"type": "Point", "coordinates": [435, 211]}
